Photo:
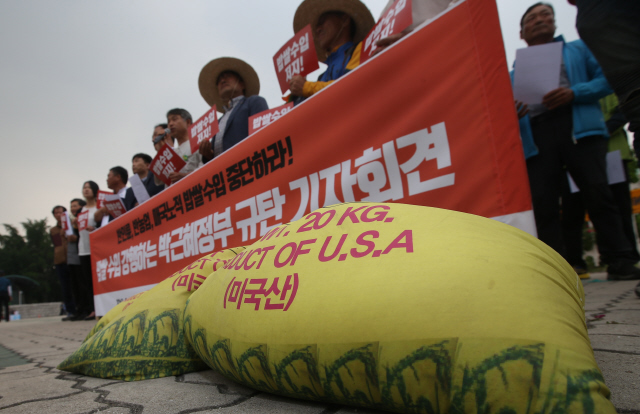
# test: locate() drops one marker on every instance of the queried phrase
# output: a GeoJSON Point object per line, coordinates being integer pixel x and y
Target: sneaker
{"type": "Point", "coordinates": [638, 290]}
{"type": "Point", "coordinates": [582, 272]}
{"type": "Point", "coordinates": [622, 271]}
{"type": "Point", "coordinates": [69, 317]}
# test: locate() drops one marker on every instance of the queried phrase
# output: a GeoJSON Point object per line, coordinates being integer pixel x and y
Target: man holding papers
{"type": "Point", "coordinates": [565, 128]}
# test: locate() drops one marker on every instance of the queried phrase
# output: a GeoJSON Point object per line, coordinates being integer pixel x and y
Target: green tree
{"type": "Point", "coordinates": [30, 255]}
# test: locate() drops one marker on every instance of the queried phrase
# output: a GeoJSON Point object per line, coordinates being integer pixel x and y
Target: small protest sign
{"type": "Point", "coordinates": [204, 128]}
{"type": "Point", "coordinates": [100, 198]}
{"type": "Point", "coordinates": [83, 220]}
{"type": "Point", "coordinates": [165, 162]}
{"type": "Point", "coordinates": [394, 21]}
{"type": "Point", "coordinates": [296, 58]}
{"type": "Point", "coordinates": [264, 118]}
{"type": "Point", "coordinates": [114, 205]}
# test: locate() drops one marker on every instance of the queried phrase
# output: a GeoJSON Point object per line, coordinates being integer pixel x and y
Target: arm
{"type": "Point", "coordinates": [311, 88]}
{"type": "Point", "coordinates": [597, 86]}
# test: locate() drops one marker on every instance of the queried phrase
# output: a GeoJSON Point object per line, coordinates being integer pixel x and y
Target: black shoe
{"type": "Point", "coordinates": [622, 271]}
{"type": "Point", "coordinates": [68, 318]}
{"type": "Point", "coordinates": [79, 317]}
{"type": "Point", "coordinates": [638, 290]}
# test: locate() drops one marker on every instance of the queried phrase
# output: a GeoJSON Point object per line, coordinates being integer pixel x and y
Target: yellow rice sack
{"type": "Point", "coordinates": [402, 308]}
{"type": "Point", "coordinates": [143, 337]}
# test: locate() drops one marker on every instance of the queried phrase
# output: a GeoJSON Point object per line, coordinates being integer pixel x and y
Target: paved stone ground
{"type": "Point", "coordinates": [613, 314]}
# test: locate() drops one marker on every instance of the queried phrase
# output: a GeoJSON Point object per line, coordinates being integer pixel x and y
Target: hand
{"type": "Point", "coordinates": [176, 176]}
{"type": "Point", "coordinates": [386, 42]}
{"type": "Point", "coordinates": [90, 228]}
{"type": "Point", "coordinates": [296, 84]}
{"type": "Point", "coordinates": [557, 98]}
{"type": "Point", "coordinates": [522, 109]}
{"type": "Point", "coordinates": [73, 238]}
{"type": "Point", "coordinates": [205, 150]}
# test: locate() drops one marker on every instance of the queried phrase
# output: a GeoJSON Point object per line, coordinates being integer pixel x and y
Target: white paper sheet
{"type": "Point", "coordinates": [537, 72]}
{"type": "Point", "coordinates": [615, 168]}
{"type": "Point", "coordinates": [139, 189]}
{"type": "Point", "coordinates": [69, 231]}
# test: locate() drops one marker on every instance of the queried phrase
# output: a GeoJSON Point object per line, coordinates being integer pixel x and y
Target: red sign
{"type": "Point", "coordinates": [264, 118]}
{"type": "Point", "coordinates": [204, 128]}
{"type": "Point", "coordinates": [447, 139]}
{"type": "Point", "coordinates": [83, 220]}
{"type": "Point", "coordinates": [114, 205]}
{"type": "Point", "coordinates": [64, 223]}
{"type": "Point", "coordinates": [165, 162]}
{"type": "Point", "coordinates": [394, 21]}
{"type": "Point", "coordinates": [100, 198]}
{"type": "Point", "coordinates": [296, 57]}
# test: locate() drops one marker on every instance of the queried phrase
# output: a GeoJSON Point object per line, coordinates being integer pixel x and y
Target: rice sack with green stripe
{"type": "Point", "coordinates": [143, 337]}
{"type": "Point", "coordinates": [402, 308]}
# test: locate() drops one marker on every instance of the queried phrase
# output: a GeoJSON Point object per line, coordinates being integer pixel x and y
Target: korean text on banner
{"type": "Point", "coordinates": [100, 198]}
{"type": "Point", "coordinates": [264, 118]}
{"type": "Point", "coordinates": [296, 58]}
{"type": "Point", "coordinates": [394, 21]}
{"type": "Point", "coordinates": [204, 128]}
{"type": "Point", "coordinates": [83, 220]}
{"type": "Point", "coordinates": [165, 162]}
{"type": "Point", "coordinates": [447, 139]}
{"type": "Point", "coordinates": [114, 205]}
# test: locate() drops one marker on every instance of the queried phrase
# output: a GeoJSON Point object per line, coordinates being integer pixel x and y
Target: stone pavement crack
{"type": "Point", "coordinates": [217, 407]}
{"type": "Point", "coordinates": [616, 352]}
{"type": "Point", "coordinates": [222, 388]}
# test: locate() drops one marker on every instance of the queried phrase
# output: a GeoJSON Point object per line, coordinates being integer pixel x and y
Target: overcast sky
{"type": "Point", "coordinates": [82, 83]}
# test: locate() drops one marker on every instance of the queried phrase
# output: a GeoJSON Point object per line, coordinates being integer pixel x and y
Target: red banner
{"type": "Point", "coordinates": [296, 57]}
{"type": "Point", "coordinates": [264, 118]}
{"type": "Point", "coordinates": [394, 21]}
{"type": "Point", "coordinates": [100, 198]}
{"type": "Point", "coordinates": [389, 131]}
{"type": "Point", "coordinates": [165, 162]}
{"type": "Point", "coordinates": [204, 128]}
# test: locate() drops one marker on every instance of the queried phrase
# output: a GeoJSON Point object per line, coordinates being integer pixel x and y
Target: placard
{"type": "Point", "coordinates": [297, 57]}
{"type": "Point", "coordinates": [264, 118]}
{"type": "Point", "coordinates": [165, 162]}
{"type": "Point", "coordinates": [394, 21]}
{"type": "Point", "coordinates": [205, 128]}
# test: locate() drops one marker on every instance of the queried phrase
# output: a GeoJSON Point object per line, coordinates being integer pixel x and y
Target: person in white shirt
{"type": "Point", "coordinates": [89, 192]}
{"type": "Point", "coordinates": [179, 120]}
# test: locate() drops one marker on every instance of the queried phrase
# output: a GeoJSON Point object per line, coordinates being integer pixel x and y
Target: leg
{"type": "Point", "coordinates": [65, 286]}
{"type": "Point", "coordinates": [546, 174]}
{"type": "Point", "coordinates": [573, 211]}
{"type": "Point", "coordinates": [87, 277]}
{"type": "Point", "coordinates": [622, 198]}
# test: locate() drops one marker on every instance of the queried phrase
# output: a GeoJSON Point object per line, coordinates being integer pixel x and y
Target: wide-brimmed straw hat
{"type": "Point", "coordinates": [208, 80]}
{"type": "Point", "coordinates": [309, 11]}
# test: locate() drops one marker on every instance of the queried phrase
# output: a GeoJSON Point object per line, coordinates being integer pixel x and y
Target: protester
{"type": "Point", "coordinates": [78, 287]}
{"type": "Point", "coordinates": [89, 192]}
{"type": "Point", "coordinates": [421, 11]}
{"type": "Point", "coordinates": [59, 242]}
{"type": "Point", "coordinates": [339, 26]}
{"type": "Point", "coordinates": [611, 30]}
{"type": "Point", "coordinates": [117, 179]}
{"type": "Point", "coordinates": [568, 129]}
{"type": "Point", "coordinates": [140, 166]}
{"type": "Point", "coordinates": [5, 295]}
{"type": "Point", "coordinates": [573, 208]}
{"type": "Point", "coordinates": [161, 135]}
{"type": "Point", "coordinates": [179, 120]}
{"type": "Point", "coordinates": [233, 86]}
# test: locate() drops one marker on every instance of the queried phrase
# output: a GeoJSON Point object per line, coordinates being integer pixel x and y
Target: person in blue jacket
{"type": "Point", "coordinates": [233, 86]}
{"type": "Point", "coordinates": [568, 130]}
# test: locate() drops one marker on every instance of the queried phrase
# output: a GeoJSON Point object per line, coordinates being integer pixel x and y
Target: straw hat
{"type": "Point", "coordinates": [309, 11]}
{"type": "Point", "coordinates": [207, 82]}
